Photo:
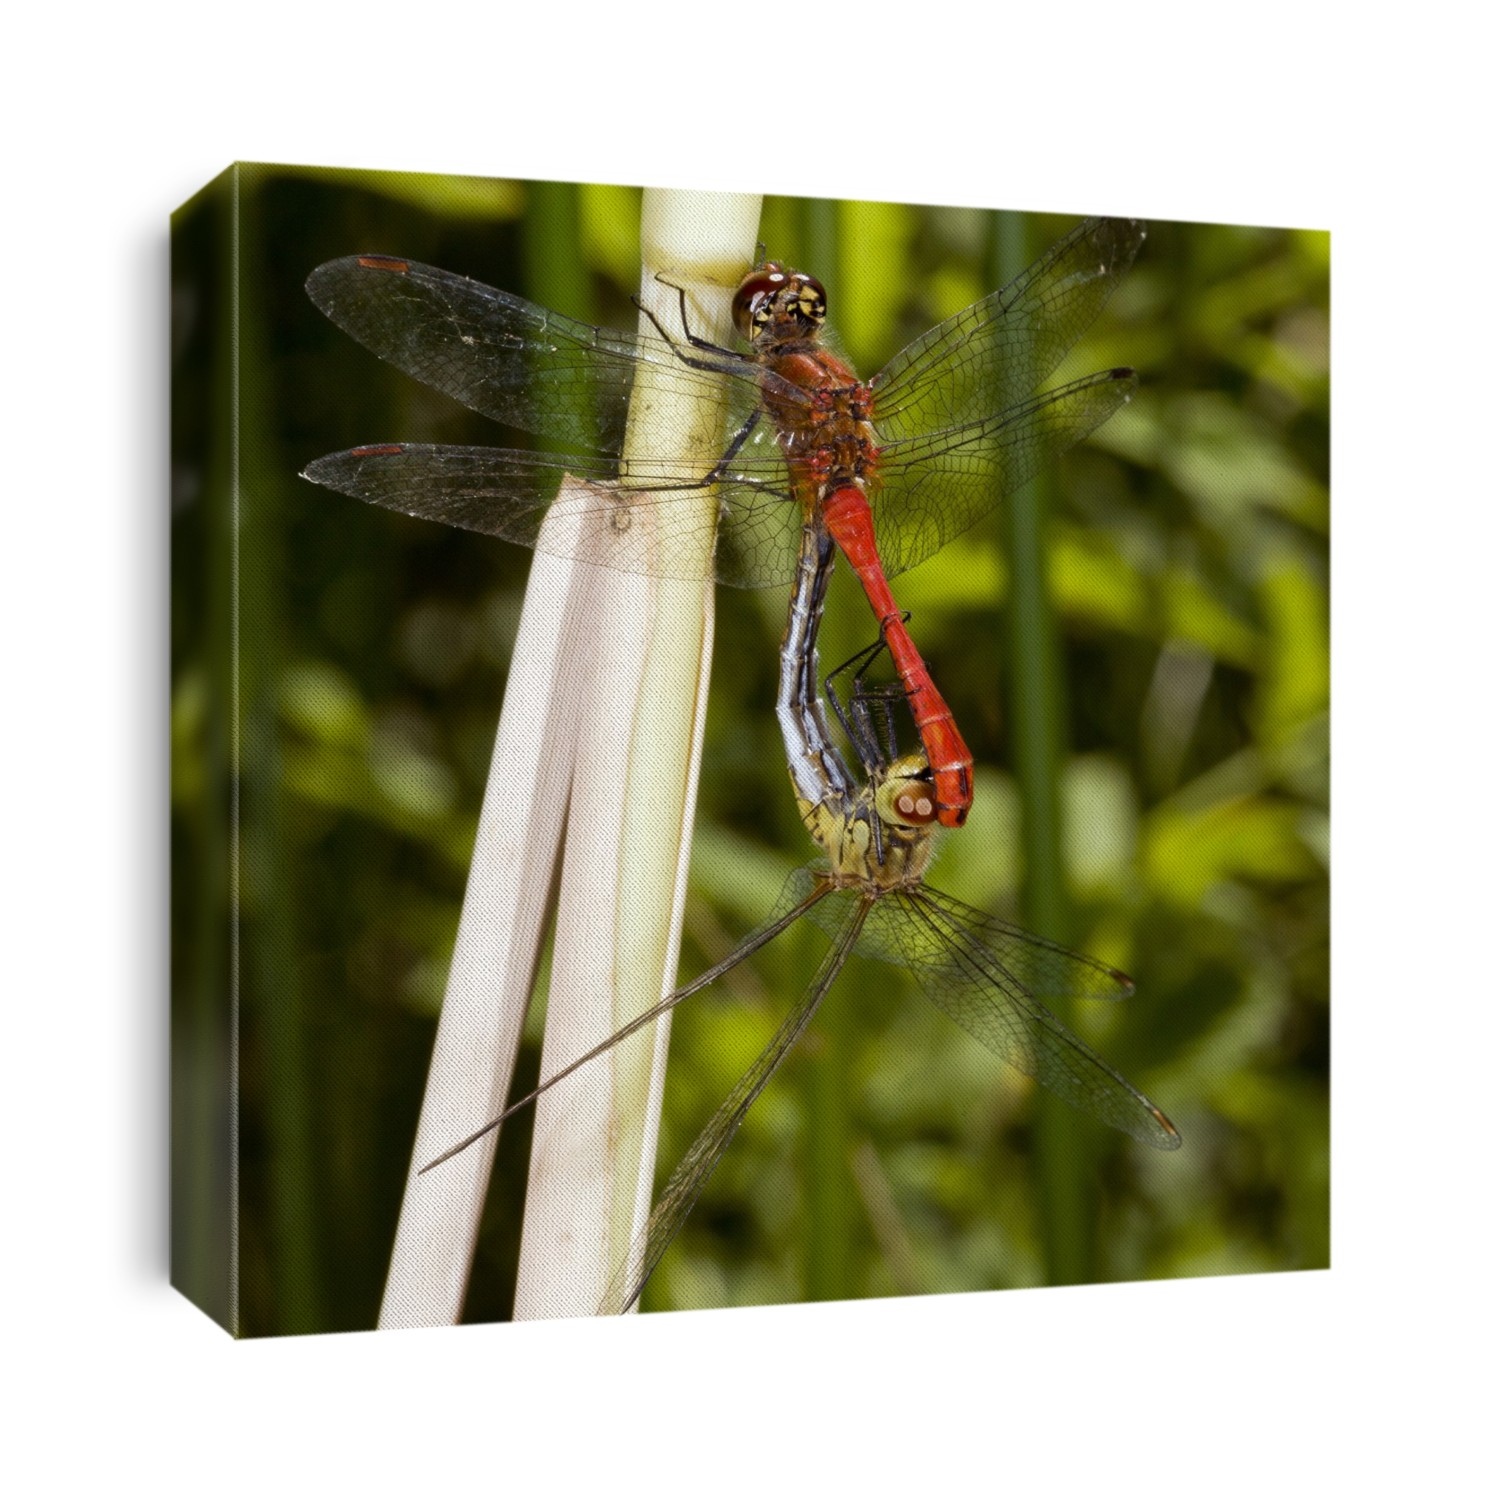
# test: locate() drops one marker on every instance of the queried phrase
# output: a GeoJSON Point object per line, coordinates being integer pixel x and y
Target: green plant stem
{"type": "Point", "coordinates": [266, 879]}
{"type": "Point", "coordinates": [826, 1104]}
{"type": "Point", "coordinates": [1038, 729]}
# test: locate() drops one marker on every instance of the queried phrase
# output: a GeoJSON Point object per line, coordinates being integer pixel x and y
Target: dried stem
{"type": "Point", "coordinates": [603, 715]}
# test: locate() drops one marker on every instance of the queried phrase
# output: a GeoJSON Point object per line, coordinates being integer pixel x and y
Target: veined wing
{"type": "Point", "coordinates": [846, 910]}
{"type": "Point", "coordinates": [1044, 969]}
{"type": "Point", "coordinates": [997, 352]}
{"type": "Point", "coordinates": [931, 488]}
{"type": "Point", "coordinates": [934, 487]}
{"type": "Point", "coordinates": [504, 493]}
{"type": "Point", "coordinates": [981, 974]}
{"type": "Point", "coordinates": [802, 890]}
{"type": "Point", "coordinates": [508, 358]}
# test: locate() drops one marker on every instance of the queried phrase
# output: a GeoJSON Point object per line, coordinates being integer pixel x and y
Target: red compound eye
{"type": "Point", "coordinates": [756, 289]}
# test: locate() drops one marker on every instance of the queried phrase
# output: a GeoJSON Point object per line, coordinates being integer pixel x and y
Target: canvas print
{"type": "Point", "coordinates": [736, 750]}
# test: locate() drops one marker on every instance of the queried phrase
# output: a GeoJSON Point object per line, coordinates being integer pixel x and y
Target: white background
{"type": "Point", "coordinates": [1374, 1377]}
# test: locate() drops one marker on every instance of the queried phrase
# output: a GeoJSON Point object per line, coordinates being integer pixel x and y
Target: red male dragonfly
{"type": "Point", "coordinates": [946, 430]}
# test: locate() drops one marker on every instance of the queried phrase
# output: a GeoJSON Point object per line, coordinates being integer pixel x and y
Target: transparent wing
{"type": "Point", "coordinates": [504, 493]}
{"type": "Point", "coordinates": [507, 358]}
{"type": "Point", "coordinates": [997, 352]}
{"type": "Point", "coordinates": [845, 911]}
{"type": "Point", "coordinates": [802, 890]}
{"type": "Point", "coordinates": [986, 975]}
{"type": "Point", "coordinates": [935, 486]}
{"type": "Point", "coordinates": [957, 435]}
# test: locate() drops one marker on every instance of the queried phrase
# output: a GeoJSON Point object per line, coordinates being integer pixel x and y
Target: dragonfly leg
{"type": "Point", "coordinates": [719, 469]}
{"type": "Point", "coordinates": [876, 751]}
{"type": "Point", "coordinates": [855, 720]}
{"type": "Point", "coordinates": [735, 444]}
{"type": "Point", "coordinates": [724, 361]}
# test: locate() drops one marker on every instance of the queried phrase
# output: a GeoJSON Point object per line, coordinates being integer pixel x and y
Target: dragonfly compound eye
{"type": "Point", "coordinates": [910, 803]}
{"type": "Point", "coordinates": [772, 295]}
{"type": "Point", "coordinates": [812, 300]}
{"type": "Point", "coordinates": [754, 302]}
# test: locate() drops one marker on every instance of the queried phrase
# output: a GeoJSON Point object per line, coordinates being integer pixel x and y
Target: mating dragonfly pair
{"type": "Point", "coordinates": [939, 437]}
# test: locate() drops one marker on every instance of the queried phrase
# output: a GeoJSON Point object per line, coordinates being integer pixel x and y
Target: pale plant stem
{"type": "Point", "coordinates": [624, 873]}
{"type": "Point", "coordinates": [603, 716]}
{"type": "Point", "coordinates": [495, 954]}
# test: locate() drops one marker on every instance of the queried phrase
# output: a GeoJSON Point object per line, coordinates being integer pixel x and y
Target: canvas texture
{"type": "Point", "coordinates": [521, 677]}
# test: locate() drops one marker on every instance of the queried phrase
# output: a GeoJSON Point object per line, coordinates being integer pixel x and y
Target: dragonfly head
{"type": "Point", "coordinates": [904, 795]}
{"type": "Point", "coordinates": [776, 303]}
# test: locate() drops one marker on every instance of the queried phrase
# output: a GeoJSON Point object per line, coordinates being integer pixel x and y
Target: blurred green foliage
{"type": "Point", "coordinates": [1184, 556]}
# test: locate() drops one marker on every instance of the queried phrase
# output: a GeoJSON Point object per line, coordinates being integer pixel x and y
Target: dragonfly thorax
{"type": "Point", "coordinates": [879, 837]}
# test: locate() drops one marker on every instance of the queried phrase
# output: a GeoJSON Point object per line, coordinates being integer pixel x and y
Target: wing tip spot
{"type": "Point", "coordinates": [383, 263]}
